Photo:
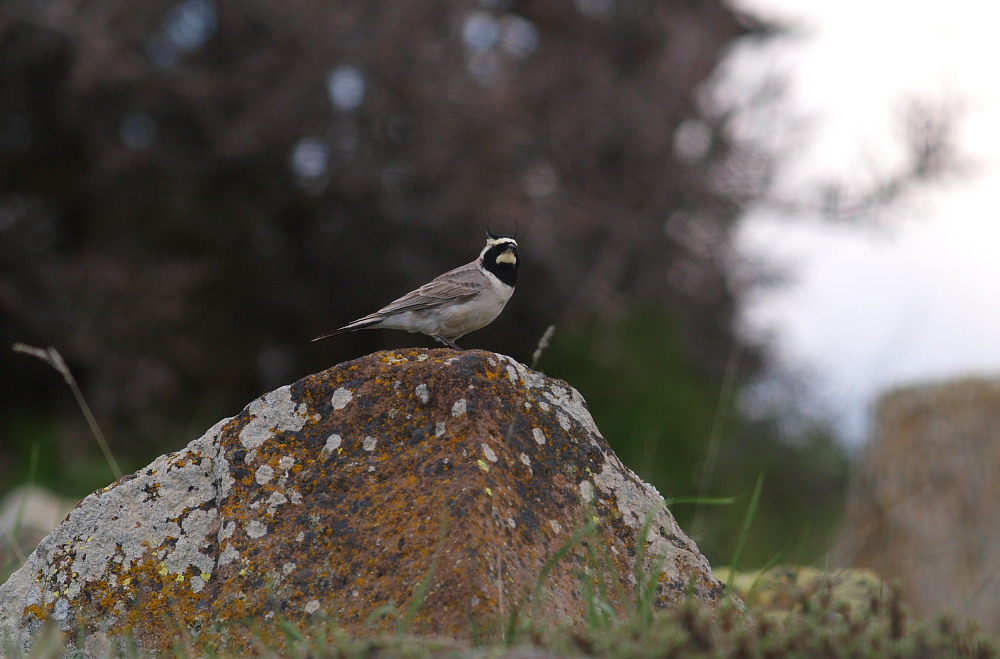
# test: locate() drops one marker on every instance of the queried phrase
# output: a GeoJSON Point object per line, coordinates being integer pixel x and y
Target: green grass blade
{"type": "Point", "coordinates": [701, 501]}
{"type": "Point", "coordinates": [557, 556]}
{"type": "Point", "coordinates": [745, 531]}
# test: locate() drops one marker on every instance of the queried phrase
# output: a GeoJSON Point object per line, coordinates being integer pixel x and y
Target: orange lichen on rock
{"type": "Point", "coordinates": [334, 497]}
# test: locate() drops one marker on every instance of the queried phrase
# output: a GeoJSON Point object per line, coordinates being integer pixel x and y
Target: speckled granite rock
{"type": "Point", "coordinates": [335, 496]}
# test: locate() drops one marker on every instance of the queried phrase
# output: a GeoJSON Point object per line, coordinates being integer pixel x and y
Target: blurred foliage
{"type": "Point", "coordinates": [659, 412]}
{"type": "Point", "coordinates": [648, 398]}
{"type": "Point", "coordinates": [805, 478]}
{"type": "Point", "coordinates": [39, 455]}
{"type": "Point", "coordinates": [192, 189]}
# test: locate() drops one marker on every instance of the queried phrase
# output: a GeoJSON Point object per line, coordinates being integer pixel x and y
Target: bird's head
{"type": "Point", "coordinates": [500, 257]}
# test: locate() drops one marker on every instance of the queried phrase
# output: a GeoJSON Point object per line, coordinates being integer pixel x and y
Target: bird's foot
{"type": "Point", "coordinates": [448, 342]}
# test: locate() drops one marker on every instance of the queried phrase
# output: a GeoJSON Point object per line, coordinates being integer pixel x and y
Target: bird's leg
{"type": "Point", "coordinates": [448, 342]}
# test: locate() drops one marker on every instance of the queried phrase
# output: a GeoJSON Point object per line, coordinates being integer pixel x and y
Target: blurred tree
{"type": "Point", "coordinates": [191, 190]}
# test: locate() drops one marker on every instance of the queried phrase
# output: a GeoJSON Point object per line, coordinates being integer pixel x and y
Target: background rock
{"type": "Point", "coordinates": [923, 503]}
{"type": "Point", "coordinates": [27, 515]}
{"type": "Point", "coordinates": [343, 495]}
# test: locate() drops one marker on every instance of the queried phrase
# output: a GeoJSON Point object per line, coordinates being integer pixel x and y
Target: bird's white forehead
{"type": "Point", "coordinates": [504, 240]}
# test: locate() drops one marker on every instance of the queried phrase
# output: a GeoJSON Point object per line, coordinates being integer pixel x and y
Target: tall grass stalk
{"type": "Point", "coordinates": [52, 357]}
{"type": "Point", "coordinates": [726, 395]}
{"type": "Point", "coordinates": [745, 531]}
{"type": "Point", "coordinates": [578, 535]}
{"type": "Point", "coordinates": [646, 580]}
{"type": "Point", "coordinates": [543, 343]}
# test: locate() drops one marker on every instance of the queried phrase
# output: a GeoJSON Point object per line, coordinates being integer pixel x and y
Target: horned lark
{"type": "Point", "coordinates": [458, 302]}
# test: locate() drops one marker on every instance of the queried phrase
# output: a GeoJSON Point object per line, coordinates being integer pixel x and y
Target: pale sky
{"type": "Point", "coordinates": [918, 300]}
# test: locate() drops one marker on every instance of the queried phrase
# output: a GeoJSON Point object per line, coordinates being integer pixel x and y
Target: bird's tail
{"type": "Point", "coordinates": [352, 327]}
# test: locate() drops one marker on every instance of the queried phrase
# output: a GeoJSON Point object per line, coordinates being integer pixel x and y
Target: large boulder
{"type": "Point", "coordinates": [429, 486]}
{"type": "Point", "coordinates": [922, 507]}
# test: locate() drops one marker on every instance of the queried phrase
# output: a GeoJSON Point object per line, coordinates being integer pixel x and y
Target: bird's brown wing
{"type": "Point", "coordinates": [453, 286]}
{"type": "Point", "coordinates": [456, 285]}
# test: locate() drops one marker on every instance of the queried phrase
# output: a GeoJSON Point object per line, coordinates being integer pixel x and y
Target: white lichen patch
{"type": "Point", "coordinates": [633, 496]}
{"type": "Point", "coordinates": [229, 555]}
{"type": "Point", "coordinates": [288, 568]}
{"type": "Point", "coordinates": [489, 453]}
{"type": "Point", "coordinates": [195, 529]}
{"type": "Point", "coordinates": [333, 442]}
{"type": "Point", "coordinates": [526, 460]}
{"type": "Point", "coordinates": [459, 408]}
{"type": "Point", "coordinates": [587, 490]}
{"type": "Point", "coordinates": [575, 407]}
{"type": "Point", "coordinates": [256, 529]}
{"type": "Point", "coordinates": [543, 406]}
{"type": "Point", "coordinates": [60, 611]}
{"type": "Point", "coordinates": [556, 526]}
{"type": "Point", "coordinates": [276, 499]}
{"type": "Point", "coordinates": [538, 435]}
{"type": "Point", "coordinates": [518, 372]}
{"type": "Point", "coordinates": [272, 413]}
{"type": "Point", "coordinates": [369, 443]}
{"type": "Point", "coordinates": [423, 393]}
{"type": "Point", "coordinates": [341, 397]}
{"type": "Point", "coordinates": [286, 462]}
{"type": "Point", "coordinates": [563, 421]}
{"type": "Point", "coordinates": [312, 606]}
{"type": "Point", "coordinates": [439, 428]}
{"type": "Point", "coordinates": [264, 473]}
